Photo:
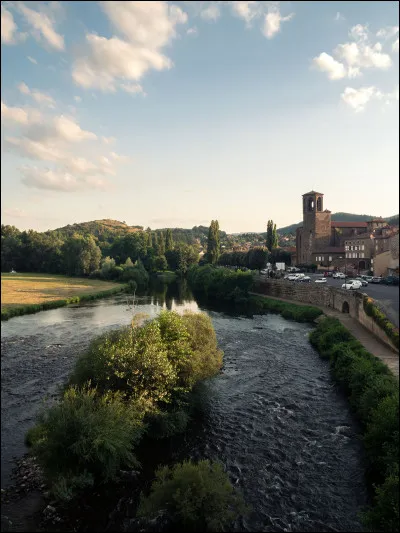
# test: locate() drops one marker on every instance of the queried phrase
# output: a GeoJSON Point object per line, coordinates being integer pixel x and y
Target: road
{"type": "Point", "coordinates": [387, 296]}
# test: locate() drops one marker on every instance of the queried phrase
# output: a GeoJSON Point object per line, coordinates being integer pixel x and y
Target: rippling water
{"type": "Point", "coordinates": [273, 416]}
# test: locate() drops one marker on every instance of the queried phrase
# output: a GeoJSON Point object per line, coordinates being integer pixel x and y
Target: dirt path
{"type": "Point", "coordinates": [367, 339]}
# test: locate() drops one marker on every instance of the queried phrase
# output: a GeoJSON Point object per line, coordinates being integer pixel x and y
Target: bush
{"type": "Point", "coordinates": [374, 396]}
{"type": "Point", "coordinates": [85, 438]}
{"type": "Point", "coordinates": [197, 497]}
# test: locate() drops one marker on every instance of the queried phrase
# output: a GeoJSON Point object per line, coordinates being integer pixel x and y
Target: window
{"type": "Point", "coordinates": [362, 247]}
{"type": "Point", "coordinates": [322, 258]}
{"type": "Point", "coordinates": [355, 247]}
{"type": "Point", "coordinates": [362, 254]}
{"type": "Point", "coordinates": [346, 248]}
{"type": "Point", "coordinates": [330, 258]}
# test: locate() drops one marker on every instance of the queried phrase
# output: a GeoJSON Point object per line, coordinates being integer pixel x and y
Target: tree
{"type": "Point", "coordinates": [213, 244]}
{"type": "Point", "coordinates": [161, 262]}
{"type": "Point", "coordinates": [106, 267]}
{"type": "Point", "coordinates": [272, 236]}
{"type": "Point", "coordinates": [257, 258]}
{"type": "Point", "coordinates": [81, 255]}
{"type": "Point", "coordinates": [149, 242]}
{"type": "Point", "coordinates": [161, 244]}
{"type": "Point", "coordinates": [155, 242]}
{"type": "Point", "coordinates": [169, 243]}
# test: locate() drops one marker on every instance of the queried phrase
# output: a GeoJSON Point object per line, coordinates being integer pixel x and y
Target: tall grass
{"type": "Point", "coordinates": [10, 312]}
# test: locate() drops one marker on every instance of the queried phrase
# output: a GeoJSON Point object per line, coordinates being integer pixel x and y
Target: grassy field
{"type": "Point", "coordinates": [29, 293]}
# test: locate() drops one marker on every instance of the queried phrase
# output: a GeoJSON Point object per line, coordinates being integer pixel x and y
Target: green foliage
{"type": "Point", "coordinates": [272, 236]}
{"type": "Point", "coordinates": [213, 243]}
{"type": "Point", "coordinates": [169, 243]}
{"type": "Point", "coordinates": [181, 258]}
{"type": "Point", "coordinates": [85, 438]}
{"type": "Point", "coordinates": [374, 395]}
{"type": "Point", "coordinates": [257, 258]}
{"type": "Point", "coordinates": [198, 497]}
{"type": "Point", "coordinates": [381, 319]}
{"type": "Point", "coordinates": [299, 313]}
{"type": "Point", "coordinates": [219, 283]}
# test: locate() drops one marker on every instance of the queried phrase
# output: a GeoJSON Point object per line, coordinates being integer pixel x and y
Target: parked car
{"type": "Point", "coordinates": [339, 275]}
{"type": "Point", "coordinates": [368, 278]}
{"type": "Point", "coordinates": [364, 282]}
{"type": "Point", "coordinates": [292, 277]}
{"type": "Point", "coordinates": [390, 280]}
{"type": "Point", "coordinates": [305, 279]}
{"type": "Point", "coordinates": [264, 272]}
{"type": "Point", "coordinates": [328, 274]}
{"type": "Point", "coordinates": [351, 284]}
{"type": "Point", "coordinates": [376, 279]}
{"type": "Point", "coordinates": [320, 280]}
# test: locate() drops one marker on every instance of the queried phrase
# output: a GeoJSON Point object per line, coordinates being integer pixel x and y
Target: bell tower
{"type": "Point", "coordinates": [316, 231]}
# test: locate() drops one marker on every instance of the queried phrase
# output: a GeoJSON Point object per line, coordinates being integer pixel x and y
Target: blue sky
{"type": "Point", "coordinates": [169, 114]}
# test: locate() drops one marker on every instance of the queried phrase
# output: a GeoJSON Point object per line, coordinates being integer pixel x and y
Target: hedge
{"type": "Point", "coordinates": [381, 320]}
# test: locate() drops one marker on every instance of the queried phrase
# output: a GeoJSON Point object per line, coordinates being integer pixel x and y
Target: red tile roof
{"type": "Point", "coordinates": [337, 224]}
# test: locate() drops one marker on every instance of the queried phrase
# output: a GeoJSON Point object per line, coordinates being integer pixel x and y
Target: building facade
{"type": "Point", "coordinates": [330, 244]}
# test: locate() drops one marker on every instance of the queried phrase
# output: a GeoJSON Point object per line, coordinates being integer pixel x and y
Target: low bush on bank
{"type": "Point", "coordinates": [382, 320]}
{"type": "Point", "coordinates": [84, 439]}
{"type": "Point", "coordinates": [374, 395]}
{"type": "Point", "coordinates": [197, 497]}
{"type": "Point", "coordinates": [299, 313]}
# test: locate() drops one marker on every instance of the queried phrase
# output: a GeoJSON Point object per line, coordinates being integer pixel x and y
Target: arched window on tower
{"type": "Point", "coordinates": [311, 204]}
{"type": "Point", "coordinates": [319, 204]}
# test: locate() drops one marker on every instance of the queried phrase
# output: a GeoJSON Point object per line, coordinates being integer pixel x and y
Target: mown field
{"type": "Point", "coordinates": [19, 290]}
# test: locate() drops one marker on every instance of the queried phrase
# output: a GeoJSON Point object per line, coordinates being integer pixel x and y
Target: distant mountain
{"type": "Point", "coordinates": [99, 228]}
{"type": "Point", "coordinates": [341, 217]}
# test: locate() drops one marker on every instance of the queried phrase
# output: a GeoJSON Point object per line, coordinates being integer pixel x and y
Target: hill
{"type": "Point", "coordinates": [101, 229]}
{"type": "Point", "coordinates": [341, 217]}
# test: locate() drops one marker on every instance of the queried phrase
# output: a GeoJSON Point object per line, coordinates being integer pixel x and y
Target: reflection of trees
{"type": "Point", "coordinates": [170, 293]}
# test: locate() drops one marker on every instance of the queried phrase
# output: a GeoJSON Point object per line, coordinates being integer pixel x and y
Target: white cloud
{"type": "Point", "coordinates": [328, 64]}
{"type": "Point", "coordinates": [395, 45]}
{"type": "Point", "coordinates": [42, 25]}
{"type": "Point", "coordinates": [357, 99]}
{"type": "Point", "coordinates": [77, 99]}
{"type": "Point", "coordinates": [19, 115]}
{"type": "Point", "coordinates": [192, 31]}
{"type": "Point", "coordinates": [117, 157]}
{"type": "Point", "coordinates": [211, 13]}
{"type": "Point", "coordinates": [351, 58]}
{"type": "Point", "coordinates": [145, 28]}
{"type": "Point", "coordinates": [132, 88]}
{"type": "Point", "coordinates": [246, 10]}
{"type": "Point", "coordinates": [273, 20]}
{"type": "Point", "coordinates": [32, 60]}
{"type": "Point", "coordinates": [8, 27]}
{"type": "Point", "coordinates": [58, 180]}
{"type": "Point", "coordinates": [388, 32]}
{"type": "Point", "coordinates": [108, 140]}
{"type": "Point", "coordinates": [40, 98]}
{"type": "Point", "coordinates": [15, 212]}
{"type": "Point", "coordinates": [339, 16]}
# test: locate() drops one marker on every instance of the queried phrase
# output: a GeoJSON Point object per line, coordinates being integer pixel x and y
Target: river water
{"type": "Point", "coordinates": [273, 416]}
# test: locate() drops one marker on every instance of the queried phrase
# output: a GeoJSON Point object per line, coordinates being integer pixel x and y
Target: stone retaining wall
{"type": "Point", "coordinates": [323, 296]}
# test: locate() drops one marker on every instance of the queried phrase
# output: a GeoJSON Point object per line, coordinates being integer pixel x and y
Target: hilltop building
{"type": "Point", "coordinates": [329, 243]}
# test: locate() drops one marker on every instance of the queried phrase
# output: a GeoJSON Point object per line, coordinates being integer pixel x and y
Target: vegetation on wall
{"type": "Point", "coordinates": [374, 396]}
{"type": "Point", "coordinates": [372, 310]}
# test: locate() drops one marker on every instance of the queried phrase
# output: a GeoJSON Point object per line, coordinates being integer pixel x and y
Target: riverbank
{"type": "Point", "coordinates": [23, 294]}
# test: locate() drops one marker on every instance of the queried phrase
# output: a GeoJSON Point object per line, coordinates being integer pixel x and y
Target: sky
{"type": "Point", "coordinates": [168, 114]}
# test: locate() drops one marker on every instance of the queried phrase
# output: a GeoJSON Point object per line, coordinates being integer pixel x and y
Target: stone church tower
{"type": "Point", "coordinates": [315, 235]}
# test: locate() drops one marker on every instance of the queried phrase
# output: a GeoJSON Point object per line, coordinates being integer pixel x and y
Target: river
{"type": "Point", "coordinates": [273, 416]}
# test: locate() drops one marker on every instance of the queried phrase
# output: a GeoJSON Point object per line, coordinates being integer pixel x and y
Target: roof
{"type": "Point", "coordinates": [330, 250]}
{"type": "Point", "coordinates": [313, 192]}
{"type": "Point", "coordinates": [337, 224]}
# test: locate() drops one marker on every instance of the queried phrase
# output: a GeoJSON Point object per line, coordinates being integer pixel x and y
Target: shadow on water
{"type": "Point", "coordinates": [273, 416]}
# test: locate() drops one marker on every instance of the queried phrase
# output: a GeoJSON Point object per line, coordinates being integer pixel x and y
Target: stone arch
{"type": "Point", "coordinates": [310, 204]}
{"type": "Point", "coordinates": [319, 204]}
{"type": "Point", "coordinates": [362, 265]}
{"type": "Point", "coordinates": [345, 307]}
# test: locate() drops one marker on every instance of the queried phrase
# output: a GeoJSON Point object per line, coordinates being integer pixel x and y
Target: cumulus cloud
{"type": "Point", "coordinates": [328, 64]}
{"type": "Point", "coordinates": [8, 27]}
{"type": "Point", "coordinates": [42, 24]}
{"type": "Point", "coordinates": [61, 141]}
{"type": "Point", "coordinates": [108, 140]}
{"type": "Point", "coordinates": [58, 180]}
{"type": "Point", "coordinates": [19, 115]}
{"type": "Point", "coordinates": [389, 32]}
{"type": "Point", "coordinates": [246, 10]}
{"type": "Point", "coordinates": [351, 58]}
{"type": "Point", "coordinates": [192, 31]}
{"type": "Point", "coordinates": [395, 45]}
{"type": "Point", "coordinates": [39, 97]}
{"type": "Point", "coordinates": [32, 60]}
{"type": "Point", "coordinates": [211, 13]}
{"type": "Point", "coordinates": [273, 20]}
{"type": "Point", "coordinates": [357, 99]}
{"type": "Point", "coordinates": [145, 28]}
